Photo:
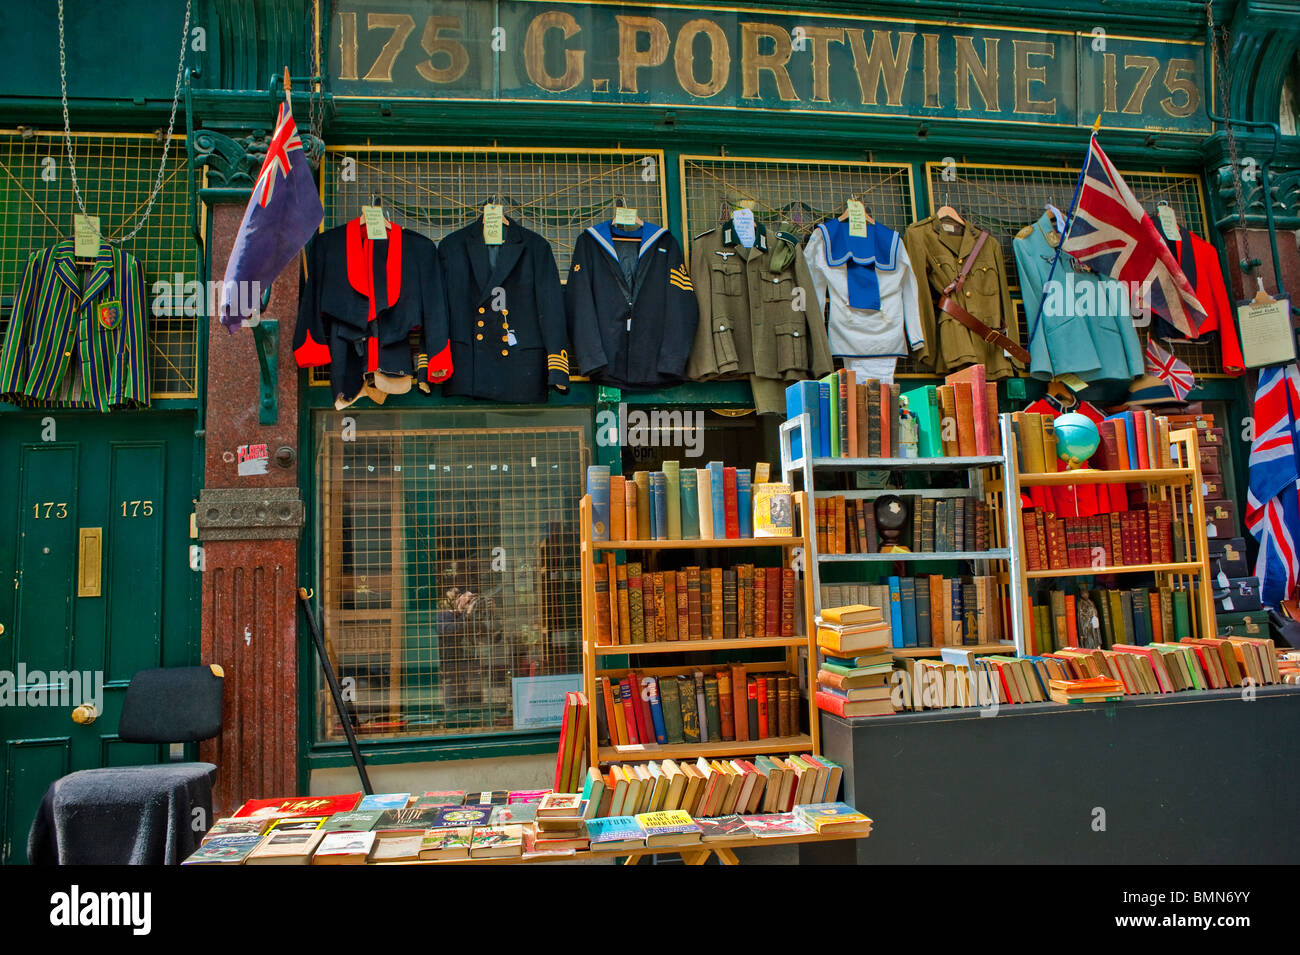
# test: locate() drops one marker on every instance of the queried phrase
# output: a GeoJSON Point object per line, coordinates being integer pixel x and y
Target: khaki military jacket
{"type": "Point", "coordinates": [938, 257]}
{"type": "Point", "coordinates": [758, 315]}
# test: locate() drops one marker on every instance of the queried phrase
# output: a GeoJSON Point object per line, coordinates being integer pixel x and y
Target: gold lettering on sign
{"type": "Point", "coordinates": [1175, 82]}
{"type": "Point", "coordinates": [822, 38]}
{"type": "Point", "coordinates": [752, 63]}
{"type": "Point", "coordinates": [931, 41]}
{"type": "Point", "coordinates": [401, 24]}
{"type": "Point", "coordinates": [457, 55]}
{"type": "Point", "coordinates": [631, 59]}
{"type": "Point", "coordinates": [984, 74]}
{"type": "Point", "coordinates": [885, 64]}
{"type": "Point", "coordinates": [348, 46]}
{"type": "Point", "coordinates": [1109, 84]}
{"type": "Point", "coordinates": [1026, 74]}
{"type": "Point", "coordinates": [719, 58]}
{"type": "Point", "coordinates": [1149, 66]}
{"type": "Point", "coordinates": [535, 52]}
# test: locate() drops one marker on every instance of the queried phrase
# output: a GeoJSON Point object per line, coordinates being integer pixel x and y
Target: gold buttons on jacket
{"type": "Point", "coordinates": [479, 336]}
{"type": "Point", "coordinates": [480, 323]}
{"type": "Point", "coordinates": [481, 309]}
{"type": "Point", "coordinates": [505, 338]}
{"type": "Point", "coordinates": [504, 353]}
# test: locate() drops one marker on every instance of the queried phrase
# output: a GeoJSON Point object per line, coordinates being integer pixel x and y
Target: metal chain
{"type": "Point", "coordinates": [1219, 56]}
{"type": "Point", "coordinates": [171, 125]}
{"type": "Point", "coordinates": [316, 100]}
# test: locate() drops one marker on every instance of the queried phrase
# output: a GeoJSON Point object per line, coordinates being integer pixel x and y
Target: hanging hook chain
{"type": "Point", "coordinates": [171, 125]}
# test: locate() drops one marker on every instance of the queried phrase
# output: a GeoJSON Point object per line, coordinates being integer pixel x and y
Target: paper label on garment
{"type": "Point", "coordinates": [510, 338]}
{"type": "Point", "coordinates": [742, 220]}
{"type": "Point", "coordinates": [85, 236]}
{"type": "Point", "coordinates": [1072, 381]}
{"type": "Point", "coordinates": [857, 218]}
{"type": "Point", "coordinates": [1266, 335]}
{"type": "Point", "coordinates": [493, 224]}
{"type": "Point", "coordinates": [376, 226]}
{"type": "Point", "coordinates": [1168, 223]}
{"type": "Point", "coordinates": [624, 216]}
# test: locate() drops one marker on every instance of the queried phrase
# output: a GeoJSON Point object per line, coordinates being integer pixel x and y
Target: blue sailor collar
{"type": "Point", "coordinates": [603, 232]}
{"type": "Point", "coordinates": [879, 247]}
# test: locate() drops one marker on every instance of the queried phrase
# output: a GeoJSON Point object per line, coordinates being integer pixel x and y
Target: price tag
{"type": "Point", "coordinates": [85, 236]}
{"type": "Point", "coordinates": [376, 225]}
{"type": "Point", "coordinates": [857, 218]}
{"type": "Point", "coordinates": [1168, 223]}
{"type": "Point", "coordinates": [1072, 381]}
{"type": "Point", "coordinates": [493, 224]}
{"type": "Point", "coordinates": [742, 220]}
{"type": "Point", "coordinates": [624, 216]}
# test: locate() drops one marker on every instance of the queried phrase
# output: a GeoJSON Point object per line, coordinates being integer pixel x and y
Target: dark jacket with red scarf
{"type": "Point", "coordinates": [506, 306]}
{"type": "Point", "coordinates": [360, 302]}
{"type": "Point", "coordinates": [1199, 261]}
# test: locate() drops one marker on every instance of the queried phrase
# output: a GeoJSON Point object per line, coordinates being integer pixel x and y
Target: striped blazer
{"type": "Point", "coordinates": [77, 347]}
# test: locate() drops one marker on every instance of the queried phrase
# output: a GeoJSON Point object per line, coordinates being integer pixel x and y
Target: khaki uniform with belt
{"type": "Point", "coordinates": [750, 320]}
{"type": "Point", "coordinates": [939, 255]}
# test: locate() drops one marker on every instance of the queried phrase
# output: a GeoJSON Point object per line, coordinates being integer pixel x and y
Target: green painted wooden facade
{"type": "Point", "coordinates": [238, 48]}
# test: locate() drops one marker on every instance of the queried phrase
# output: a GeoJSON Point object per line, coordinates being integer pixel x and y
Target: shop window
{"type": "Point", "coordinates": [116, 173]}
{"type": "Point", "coordinates": [448, 569]}
{"type": "Point", "coordinates": [1003, 199]}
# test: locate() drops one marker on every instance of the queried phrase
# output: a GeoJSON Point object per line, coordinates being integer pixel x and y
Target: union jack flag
{"type": "Point", "coordinates": [1111, 233]}
{"type": "Point", "coordinates": [282, 214]}
{"type": "Point", "coordinates": [1174, 372]}
{"type": "Point", "coordinates": [1273, 503]}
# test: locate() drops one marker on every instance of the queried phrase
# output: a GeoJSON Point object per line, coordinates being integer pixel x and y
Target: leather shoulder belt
{"type": "Point", "coordinates": [954, 308]}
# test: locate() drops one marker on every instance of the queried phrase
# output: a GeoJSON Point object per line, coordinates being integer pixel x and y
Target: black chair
{"type": "Point", "coordinates": [138, 815]}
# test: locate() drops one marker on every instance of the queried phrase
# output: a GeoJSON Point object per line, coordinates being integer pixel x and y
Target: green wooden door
{"type": "Point", "coordinates": [94, 585]}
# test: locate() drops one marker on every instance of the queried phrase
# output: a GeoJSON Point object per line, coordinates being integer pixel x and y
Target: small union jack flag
{"type": "Point", "coordinates": [1273, 503]}
{"type": "Point", "coordinates": [1174, 372]}
{"type": "Point", "coordinates": [282, 214]}
{"type": "Point", "coordinates": [1112, 234]}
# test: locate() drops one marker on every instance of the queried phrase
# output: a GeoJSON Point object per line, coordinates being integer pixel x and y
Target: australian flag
{"type": "Point", "coordinates": [282, 215]}
{"type": "Point", "coordinates": [1112, 234]}
{"type": "Point", "coordinates": [1273, 504]}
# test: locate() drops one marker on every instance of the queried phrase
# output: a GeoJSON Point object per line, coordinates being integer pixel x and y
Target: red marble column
{"type": "Point", "coordinates": [1253, 244]}
{"type": "Point", "coordinates": [249, 527]}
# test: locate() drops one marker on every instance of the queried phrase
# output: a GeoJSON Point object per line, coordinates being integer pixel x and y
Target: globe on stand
{"type": "Point", "coordinates": [1077, 439]}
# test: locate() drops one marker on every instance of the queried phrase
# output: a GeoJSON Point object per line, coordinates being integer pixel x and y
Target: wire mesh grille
{"type": "Point", "coordinates": [785, 190]}
{"type": "Point", "coordinates": [116, 172]}
{"type": "Point", "coordinates": [449, 565]}
{"type": "Point", "coordinates": [434, 191]}
{"type": "Point", "coordinates": [1004, 199]}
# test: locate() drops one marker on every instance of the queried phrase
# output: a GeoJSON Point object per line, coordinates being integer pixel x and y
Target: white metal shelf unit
{"type": "Point", "coordinates": [806, 465]}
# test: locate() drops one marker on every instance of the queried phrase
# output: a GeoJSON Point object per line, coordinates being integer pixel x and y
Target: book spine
{"type": "Point", "coordinates": [730, 599]}
{"type": "Point", "coordinates": [696, 629]}
{"type": "Point", "coordinates": [630, 519]}
{"type": "Point", "coordinates": [730, 503]}
{"type": "Point", "coordinates": [601, 573]}
{"type": "Point", "coordinates": [726, 706]}
{"type": "Point", "coordinates": [717, 611]}
{"type": "Point", "coordinates": [673, 494]}
{"type": "Point", "coordinates": [716, 488]}
{"type": "Point", "coordinates": [629, 712]}
{"type": "Point", "coordinates": [744, 505]}
{"type": "Point", "coordinates": [739, 702]}
{"type": "Point", "coordinates": [617, 507]}
{"type": "Point", "coordinates": [670, 605]}
{"type": "Point", "coordinates": [657, 711]}
{"type": "Point", "coordinates": [624, 604]}
{"type": "Point", "coordinates": [683, 605]}
{"type": "Point", "coordinates": [690, 504]}
{"type": "Point", "coordinates": [707, 732]}
{"type": "Point", "coordinates": [787, 602]}
{"type": "Point", "coordinates": [598, 488]}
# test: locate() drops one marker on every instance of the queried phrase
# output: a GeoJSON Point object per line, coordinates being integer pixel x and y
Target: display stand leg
{"type": "Point", "coordinates": [726, 857]}
{"type": "Point", "coordinates": [696, 858]}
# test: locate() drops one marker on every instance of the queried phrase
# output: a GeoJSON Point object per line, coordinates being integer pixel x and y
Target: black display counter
{"type": "Point", "coordinates": [1183, 778]}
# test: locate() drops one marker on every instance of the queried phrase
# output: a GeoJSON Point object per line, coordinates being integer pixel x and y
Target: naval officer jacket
{"type": "Point", "coordinates": [507, 325]}
{"type": "Point", "coordinates": [75, 345]}
{"type": "Point", "coordinates": [360, 302]}
{"type": "Point", "coordinates": [749, 324]}
{"type": "Point", "coordinates": [631, 306]}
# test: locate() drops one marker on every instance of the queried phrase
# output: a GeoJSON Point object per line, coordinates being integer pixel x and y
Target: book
{"type": "Point", "coordinates": [230, 849]}
{"type": "Point", "coordinates": [598, 488]}
{"type": "Point", "coordinates": [717, 504]}
{"type": "Point", "coordinates": [449, 817]}
{"type": "Point", "coordinates": [730, 503]}
{"type": "Point", "coordinates": [689, 503]}
{"type": "Point", "coordinates": [775, 825]}
{"type": "Point", "coordinates": [773, 510]}
{"type": "Point", "coordinates": [496, 842]}
{"type": "Point", "coordinates": [724, 829]}
{"type": "Point", "coordinates": [832, 817]}
{"type": "Point", "coordinates": [344, 848]}
{"type": "Point", "coordinates": [673, 493]}
{"type": "Point", "coordinates": [403, 848]}
{"type": "Point", "coordinates": [744, 507]}
{"type": "Point", "coordinates": [670, 828]}
{"type": "Point", "coordinates": [631, 508]}
{"type": "Point", "coordinates": [704, 496]}
{"type": "Point", "coordinates": [644, 505]}
{"type": "Point", "coordinates": [357, 820]}
{"type": "Point", "coordinates": [614, 833]}
{"type": "Point", "coordinates": [802, 398]}
{"type": "Point", "coordinates": [617, 507]}
{"type": "Point", "coordinates": [382, 801]}
{"type": "Point", "coordinates": [297, 806]}
{"type": "Point", "coordinates": [659, 505]}
{"type": "Point", "coordinates": [831, 703]}
{"type": "Point", "coordinates": [446, 844]}
{"type": "Point", "coordinates": [286, 848]}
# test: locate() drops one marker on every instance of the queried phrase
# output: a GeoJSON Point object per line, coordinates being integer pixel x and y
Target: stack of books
{"type": "Point", "coordinates": [946, 524]}
{"type": "Point", "coordinates": [676, 503]}
{"type": "Point", "coordinates": [697, 707]}
{"type": "Point", "coordinates": [559, 824]}
{"type": "Point", "coordinates": [693, 603]}
{"type": "Point", "coordinates": [846, 635]}
{"type": "Point", "coordinates": [1095, 690]}
{"type": "Point", "coordinates": [854, 418]}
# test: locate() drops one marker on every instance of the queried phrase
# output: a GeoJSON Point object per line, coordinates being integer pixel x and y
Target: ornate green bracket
{"type": "Point", "coordinates": [266, 336]}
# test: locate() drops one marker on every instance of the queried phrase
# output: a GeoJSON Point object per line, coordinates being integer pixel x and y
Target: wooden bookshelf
{"type": "Point", "coordinates": [596, 660]}
{"type": "Point", "coordinates": [1180, 484]}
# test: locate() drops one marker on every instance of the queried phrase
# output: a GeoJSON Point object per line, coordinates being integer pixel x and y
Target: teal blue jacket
{"type": "Point", "coordinates": [1085, 327]}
